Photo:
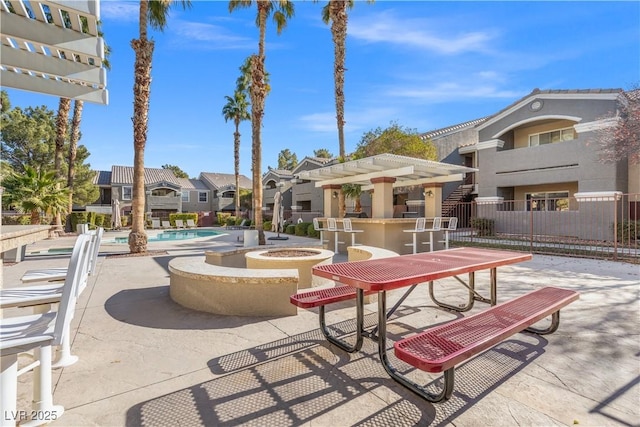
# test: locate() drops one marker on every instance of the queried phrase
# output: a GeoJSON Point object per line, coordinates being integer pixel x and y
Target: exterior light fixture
{"type": "Point", "coordinates": [428, 193]}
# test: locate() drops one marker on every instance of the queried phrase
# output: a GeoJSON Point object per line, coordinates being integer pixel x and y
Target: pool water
{"type": "Point", "coordinates": [171, 235]}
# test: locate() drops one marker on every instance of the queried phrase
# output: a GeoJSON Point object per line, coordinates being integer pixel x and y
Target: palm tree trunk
{"type": "Point", "coordinates": [143, 49]}
{"type": "Point", "coordinates": [258, 94]}
{"type": "Point", "coordinates": [73, 151]}
{"type": "Point", "coordinates": [236, 158]}
{"type": "Point", "coordinates": [61, 135]}
{"type": "Point", "coordinates": [338, 13]}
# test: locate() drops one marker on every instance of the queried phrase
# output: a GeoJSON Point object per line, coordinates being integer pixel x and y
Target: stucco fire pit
{"type": "Point", "coordinates": [301, 259]}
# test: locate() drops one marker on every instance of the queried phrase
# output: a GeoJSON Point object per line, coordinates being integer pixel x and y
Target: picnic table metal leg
{"type": "Point", "coordinates": [555, 322]}
{"type": "Point", "coordinates": [421, 391]}
{"type": "Point", "coordinates": [359, 326]}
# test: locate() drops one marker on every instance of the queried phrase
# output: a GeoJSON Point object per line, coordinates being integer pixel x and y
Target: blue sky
{"type": "Point", "coordinates": [423, 64]}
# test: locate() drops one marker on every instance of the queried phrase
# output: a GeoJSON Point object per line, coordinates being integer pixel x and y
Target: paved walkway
{"type": "Point", "coordinates": [146, 361]}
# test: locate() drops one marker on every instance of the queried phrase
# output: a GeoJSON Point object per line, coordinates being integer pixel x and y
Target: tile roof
{"type": "Point", "coordinates": [124, 175]}
{"type": "Point", "coordinates": [191, 184]}
{"type": "Point", "coordinates": [102, 178]}
{"type": "Point", "coordinates": [222, 179]}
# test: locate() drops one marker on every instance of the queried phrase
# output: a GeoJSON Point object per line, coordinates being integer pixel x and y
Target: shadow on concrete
{"type": "Point", "coordinates": [298, 380]}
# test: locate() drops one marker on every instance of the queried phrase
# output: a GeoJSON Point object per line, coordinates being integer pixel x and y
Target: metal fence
{"type": "Point", "coordinates": [604, 227]}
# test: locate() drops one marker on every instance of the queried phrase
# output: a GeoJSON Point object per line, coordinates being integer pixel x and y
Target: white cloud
{"type": "Point", "coordinates": [210, 36]}
{"type": "Point", "coordinates": [355, 120]}
{"type": "Point", "coordinates": [120, 11]}
{"type": "Point", "coordinates": [450, 91]}
{"type": "Point", "coordinates": [415, 33]}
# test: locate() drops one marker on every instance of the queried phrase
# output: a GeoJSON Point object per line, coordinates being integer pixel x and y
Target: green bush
{"type": "Point", "coordinates": [183, 216]}
{"type": "Point", "coordinates": [100, 220]}
{"type": "Point", "coordinates": [266, 226]}
{"type": "Point", "coordinates": [291, 229]}
{"type": "Point", "coordinates": [628, 231]}
{"type": "Point", "coordinates": [222, 217]}
{"type": "Point", "coordinates": [301, 228]}
{"type": "Point", "coordinates": [16, 220]}
{"type": "Point", "coordinates": [484, 226]}
{"type": "Point", "coordinates": [230, 221]}
{"type": "Point", "coordinates": [312, 232]}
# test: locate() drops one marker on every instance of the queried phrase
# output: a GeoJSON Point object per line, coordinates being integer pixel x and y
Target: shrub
{"type": "Point", "coordinates": [312, 232]}
{"type": "Point", "coordinates": [301, 228]}
{"type": "Point", "coordinates": [230, 221]}
{"type": "Point", "coordinates": [628, 231]}
{"type": "Point", "coordinates": [222, 217]}
{"type": "Point", "coordinates": [267, 225]}
{"type": "Point", "coordinates": [184, 216]}
{"type": "Point", "coordinates": [484, 226]}
{"type": "Point", "coordinates": [291, 229]}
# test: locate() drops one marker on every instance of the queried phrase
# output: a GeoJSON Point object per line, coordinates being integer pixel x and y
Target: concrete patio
{"type": "Point", "coordinates": [146, 361]}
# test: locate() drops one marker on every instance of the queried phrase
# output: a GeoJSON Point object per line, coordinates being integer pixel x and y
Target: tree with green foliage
{"type": "Point", "coordinates": [179, 173]}
{"type": "Point", "coordinates": [287, 160]}
{"type": "Point", "coordinates": [35, 191]}
{"type": "Point", "coordinates": [280, 10]}
{"type": "Point", "coordinates": [29, 139]}
{"type": "Point", "coordinates": [323, 153]}
{"type": "Point", "coordinates": [395, 140]}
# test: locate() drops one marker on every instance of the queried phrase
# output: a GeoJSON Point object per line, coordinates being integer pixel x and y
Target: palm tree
{"type": "Point", "coordinates": [336, 13]}
{"type": "Point", "coordinates": [236, 109]}
{"type": "Point", "coordinates": [35, 191]}
{"type": "Point", "coordinates": [62, 122]}
{"type": "Point", "coordinates": [154, 13]}
{"type": "Point", "coordinates": [282, 10]}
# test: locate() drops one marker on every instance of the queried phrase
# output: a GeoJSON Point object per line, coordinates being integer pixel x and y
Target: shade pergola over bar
{"type": "Point", "coordinates": [53, 47]}
{"type": "Point", "coordinates": [407, 171]}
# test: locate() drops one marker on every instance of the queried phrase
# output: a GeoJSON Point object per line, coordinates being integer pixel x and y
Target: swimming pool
{"type": "Point", "coordinates": [171, 235]}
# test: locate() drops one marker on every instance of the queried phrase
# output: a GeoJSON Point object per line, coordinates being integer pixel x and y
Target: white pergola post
{"type": "Point", "coordinates": [432, 200]}
{"type": "Point", "coordinates": [331, 205]}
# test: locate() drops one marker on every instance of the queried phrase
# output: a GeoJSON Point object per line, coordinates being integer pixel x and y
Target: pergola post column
{"type": "Point", "coordinates": [331, 205]}
{"type": "Point", "coordinates": [382, 201]}
{"type": "Point", "coordinates": [432, 200]}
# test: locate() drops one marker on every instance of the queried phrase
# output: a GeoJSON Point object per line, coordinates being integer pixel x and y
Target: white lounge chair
{"type": "Point", "coordinates": [41, 297]}
{"type": "Point", "coordinates": [155, 223]}
{"type": "Point", "coordinates": [191, 223]}
{"type": "Point", "coordinates": [38, 333]}
{"type": "Point", "coordinates": [166, 224]}
{"type": "Point", "coordinates": [180, 223]}
{"type": "Point", "coordinates": [60, 273]}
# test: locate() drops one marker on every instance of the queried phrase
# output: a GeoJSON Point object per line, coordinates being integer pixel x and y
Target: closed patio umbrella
{"type": "Point", "coordinates": [277, 221]}
{"type": "Point", "coordinates": [116, 220]}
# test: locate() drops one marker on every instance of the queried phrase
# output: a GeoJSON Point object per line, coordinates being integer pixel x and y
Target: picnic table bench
{"type": "Point", "coordinates": [441, 348]}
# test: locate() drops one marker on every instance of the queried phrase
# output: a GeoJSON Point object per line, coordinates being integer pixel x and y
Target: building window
{"type": "Point", "coordinates": [551, 137]}
{"type": "Point", "coordinates": [126, 193]}
{"type": "Point", "coordinates": [203, 196]}
{"type": "Point", "coordinates": [556, 201]}
{"type": "Point", "coordinates": [185, 196]}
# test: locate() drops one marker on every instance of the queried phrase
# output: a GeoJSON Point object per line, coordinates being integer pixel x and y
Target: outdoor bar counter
{"type": "Point", "coordinates": [383, 233]}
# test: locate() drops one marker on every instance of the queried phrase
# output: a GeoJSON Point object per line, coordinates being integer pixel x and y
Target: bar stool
{"type": "Point", "coordinates": [453, 224]}
{"type": "Point", "coordinates": [317, 227]}
{"type": "Point", "coordinates": [437, 221]}
{"type": "Point", "coordinates": [419, 228]}
{"type": "Point", "coordinates": [332, 225]}
{"type": "Point", "coordinates": [346, 224]}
